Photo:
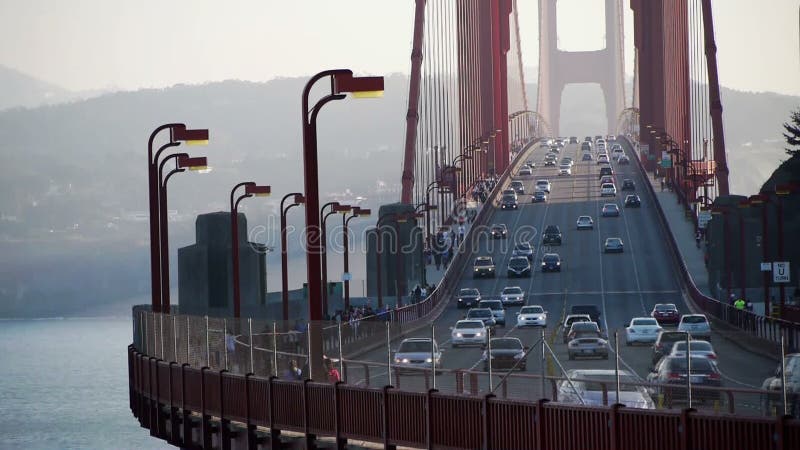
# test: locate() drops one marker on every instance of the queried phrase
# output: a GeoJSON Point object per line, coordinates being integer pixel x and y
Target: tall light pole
{"type": "Point", "coordinates": [183, 162]}
{"type": "Point", "coordinates": [357, 212]}
{"type": "Point", "coordinates": [335, 208]}
{"type": "Point", "coordinates": [298, 200]}
{"type": "Point", "coordinates": [177, 134]}
{"type": "Point", "coordinates": [341, 81]}
{"type": "Point", "coordinates": [250, 189]}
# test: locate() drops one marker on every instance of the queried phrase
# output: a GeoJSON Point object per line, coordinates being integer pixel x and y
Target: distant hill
{"type": "Point", "coordinates": [19, 90]}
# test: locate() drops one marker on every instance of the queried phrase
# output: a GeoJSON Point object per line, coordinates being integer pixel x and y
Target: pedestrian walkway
{"type": "Point", "coordinates": [434, 275]}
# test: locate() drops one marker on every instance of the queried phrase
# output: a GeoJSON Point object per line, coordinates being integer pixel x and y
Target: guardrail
{"type": "Point", "coordinates": [205, 408]}
{"type": "Point", "coordinates": [763, 327]}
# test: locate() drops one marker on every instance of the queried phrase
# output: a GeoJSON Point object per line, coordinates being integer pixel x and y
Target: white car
{"type": "Point", "coordinates": [587, 389]}
{"type": "Point", "coordinates": [532, 315]}
{"type": "Point", "coordinates": [585, 223]}
{"type": "Point", "coordinates": [642, 329]}
{"type": "Point", "coordinates": [468, 332]}
{"type": "Point", "coordinates": [543, 185]}
{"type": "Point", "coordinates": [697, 348]}
{"type": "Point", "coordinates": [696, 325]}
{"type": "Point", "coordinates": [608, 189]}
{"type": "Point", "coordinates": [415, 353]}
{"type": "Point", "coordinates": [512, 295]}
{"type": "Point", "coordinates": [564, 170]}
{"type": "Point", "coordinates": [525, 170]}
{"type": "Point", "coordinates": [602, 158]}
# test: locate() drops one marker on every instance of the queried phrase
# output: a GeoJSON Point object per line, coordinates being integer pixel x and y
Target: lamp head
{"type": "Point", "coordinates": [363, 212]}
{"type": "Point", "coordinates": [359, 87]}
{"type": "Point", "coordinates": [190, 136]}
{"type": "Point", "coordinates": [199, 164]}
{"type": "Point", "coordinates": [299, 199]}
{"type": "Point", "coordinates": [342, 208]}
{"type": "Point", "coordinates": [258, 191]}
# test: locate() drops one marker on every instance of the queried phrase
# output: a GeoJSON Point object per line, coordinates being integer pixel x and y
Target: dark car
{"type": "Point", "coordinates": [499, 231]}
{"type": "Point", "coordinates": [664, 342]}
{"type": "Point", "coordinates": [523, 249]}
{"type": "Point", "coordinates": [484, 315]}
{"type": "Point", "coordinates": [506, 354]}
{"type": "Point", "coordinates": [519, 266]}
{"type": "Point", "coordinates": [483, 267]}
{"type": "Point", "coordinates": [666, 313]}
{"type": "Point", "coordinates": [586, 146]}
{"type": "Point", "coordinates": [623, 160]}
{"type": "Point", "coordinates": [573, 140]}
{"type": "Point", "coordinates": [551, 235]}
{"type": "Point", "coordinates": [591, 310]}
{"type": "Point", "coordinates": [633, 201]}
{"type": "Point", "coordinates": [538, 197]}
{"type": "Point", "coordinates": [606, 171]}
{"type": "Point", "coordinates": [509, 202]}
{"type": "Point", "coordinates": [628, 185]}
{"type": "Point", "coordinates": [673, 370]}
{"type": "Point", "coordinates": [551, 262]}
{"type": "Point", "coordinates": [774, 384]}
{"type": "Point", "coordinates": [468, 297]}
{"type": "Point", "coordinates": [586, 157]}
{"type": "Point", "coordinates": [610, 210]}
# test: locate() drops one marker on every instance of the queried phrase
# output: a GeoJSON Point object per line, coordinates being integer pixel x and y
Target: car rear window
{"type": "Point", "coordinates": [694, 319]}
{"type": "Point", "coordinates": [506, 344]}
{"type": "Point", "coordinates": [672, 337]}
{"type": "Point", "coordinates": [469, 292]}
{"type": "Point", "coordinates": [698, 364]}
{"type": "Point", "coordinates": [644, 322]}
{"type": "Point", "coordinates": [491, 304]}
{"type": "Point", "coordinates": [584, 326]}
{"type": "Point", "coordinates": [694, 345]}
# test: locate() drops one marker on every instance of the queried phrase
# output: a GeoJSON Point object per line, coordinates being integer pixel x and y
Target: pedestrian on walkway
{"type": "Point", "coordinates": [697, 238]}
{"type": "Point", "coordinates": [293, 372]}
{"type": "Point", "coordinates": [461, 231]}
{"type": "Point", "coordinates": [739, 304]}
{"type": "Point", "coordinates": [423, 292]}
{"type": "Point", "coordinates": [662, 185]}
{"type": "Point", "coordinates": [333, 373]}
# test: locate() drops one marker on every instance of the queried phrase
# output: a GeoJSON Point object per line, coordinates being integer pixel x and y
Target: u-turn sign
{"type": "Point", "coordinates": [780, 272]}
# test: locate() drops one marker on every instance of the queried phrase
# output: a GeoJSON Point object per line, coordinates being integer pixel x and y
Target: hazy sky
{"type": "Point", "coordinates": [101, 44]}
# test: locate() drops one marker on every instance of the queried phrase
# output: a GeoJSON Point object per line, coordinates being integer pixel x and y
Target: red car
{"type": "Point", "coordinates": [666, 313]}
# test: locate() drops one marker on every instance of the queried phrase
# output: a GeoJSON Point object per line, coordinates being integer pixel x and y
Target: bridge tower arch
{"type": "Point", "coordinates": [558, 68]}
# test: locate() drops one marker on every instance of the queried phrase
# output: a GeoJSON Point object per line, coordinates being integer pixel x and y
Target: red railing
{"type": "Point", "coordinates": [214, 407]}
{"type": "Point", "coordinates": [757, 325]}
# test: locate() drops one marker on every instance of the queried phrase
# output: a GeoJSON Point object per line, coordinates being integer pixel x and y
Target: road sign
{"type": "Point", "coordinates": [703, 218]}
{"type": "Point", "coordinates": [766, 267]}
{"type": "Point", "coordinates": [347, 276]}
{"type": "Point", "coordinates": [780, 272]}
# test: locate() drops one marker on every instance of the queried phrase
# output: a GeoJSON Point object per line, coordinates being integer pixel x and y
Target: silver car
{"type": "Point", "coordinates": [587, 347]}
{"type": "Point", "coordinates": [587, 386]}
{"type": "Point", "coordinates": [512, 295]}
{"type": "Point", "coordinates": [696, 325]}
{"type": "Point", "coordinates": [585, 223]}
{"type": "Point", "coordinates": [415, 353]}
{"type": "Point", "coordinates": [468, 332]}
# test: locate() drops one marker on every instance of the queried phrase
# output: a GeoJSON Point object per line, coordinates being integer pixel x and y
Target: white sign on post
{"type": "Point", "coordinates": [780, 272]}
{"type": "Point", "coordinates": [703, 218]}
{"type": "Point", "coordinates": [766, 267]}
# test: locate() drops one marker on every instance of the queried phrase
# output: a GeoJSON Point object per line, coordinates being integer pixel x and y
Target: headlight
{"type": "Point", "coordinates": [491, 269]}
{"type": "Point", "coordinates": [428, 360]}
{"type": "Point", "coordinates": [459, 335]}
{"type": "Point", "coordinates": [478, 334]}
{"type": "Point", "coordinates": [476, 269]}
{"type": "Point", "coordinates": [401, 361]}
{"type": "Point", "coordinates": [518, 356]}
{"type": "Point", "coordinates": [558, 263]}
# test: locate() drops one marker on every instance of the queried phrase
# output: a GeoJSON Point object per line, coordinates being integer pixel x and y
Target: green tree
{"type": "Point", "coordinates": [792, 134]}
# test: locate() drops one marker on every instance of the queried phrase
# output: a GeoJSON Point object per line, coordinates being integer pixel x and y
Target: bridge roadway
{"type": "Point", "coordinates": [622, 285]}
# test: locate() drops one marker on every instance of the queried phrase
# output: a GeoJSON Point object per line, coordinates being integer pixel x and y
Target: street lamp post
{"type": "Point", "coordinates": [336, 208]}
{"type": "Point", "coordinates": [177, 134]}
{"type": "Point", "coordinates": [742, 253]}
{"type": "Point", "coordinates": [183, 162]}
{"type": "Point", "coordinates": [341, 81]}
{"type": "Point", "coordinates": [761, 201]}
{"type": "Point", "coordinates": [251, 189]}
{"type": "Point", "coordinates": [357, 212]}
{"type": "Point", "coordinates": [298, 200]}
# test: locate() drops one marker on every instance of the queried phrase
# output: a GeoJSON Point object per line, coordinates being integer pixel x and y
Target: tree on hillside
{"type": "Point", "coordinates": [792, 134]}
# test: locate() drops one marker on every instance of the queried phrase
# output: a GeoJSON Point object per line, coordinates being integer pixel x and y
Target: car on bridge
{"type": "Point", "coordinates": [610, 210]}
{"type": "Point", "coordinates": [591, 386]}
{"type": "Point", "coordinates": [509, 202]}
{"type": "Point", "coordinates": [512, 295]}
{"type": "Point", "coordinates": [586, 157]}
{"type": "Point", "coordinates": [607, 179]}
{"type": "Point", "coordinates": [550, 162]}
{"type": "Point", "coordinates": [499, 231]}
{"type": "Point", "coordinates": [583, 329]}
{"type": "Point", "coordinates": [573, 140]}
{"type": "Point", "coordinates": [606, 171]}
{"type": "Point", "coordinates": [628, 185]}
{"type": "Point", "coordinates": [666, 313]}
{"type": "Point", "coordinates": [623, 160]}
{"type": "Point", "coordinates": [569, 320]}
{"type": "Point", "coordinates": [587, 346]}
{"type": "Point", "coordinates": [564, 170]}
{"type": "Point", "coordinates": [633, 201]}
{"type": "Point", "coordinates": [523, 249]}
{"type": "Point", "coordinates": [696, 348]}
{"type": "Point", "coordinates": [663, 345]}
{"type": "Point", "coordinates": [696, 325]}
{"type": "Point", "coordinates": [774, 384]}
{"type": "Point", "coordinates": [468, 297]}
{"type": "Point", "coordinates": [586, 146]}
{"type": "Point", "coordinates": [608, 190]}
{"type": "Point", "coordinates": [602, 158]}
{"type": "Point", "coordinates": [567, 160]}
{"type": "Point", "coordinates": [551, 262]}
{"type": "Point", "coordinates": [518, 187]}
{"type": "Point", "coordinates": [519, 267]}
{"type": "Point", "coordinates": [496, 306]}
{"type": "Point", "coordinates": [484, 315]}
{"type": "Point", "coordinates": [468, 332]}
{"type": "Point", "coordinates": [543, 185]}
{"type": "Point", "coordinates": [509, 192]}
{"type": "Point", "coordinates": [525, 171]}
{"type": "Point", "coordinates": [673, 370]}
{"type": "Point", "coordinates": [483, 267]}
{"type": "Point", "coordinates": [613, 245]}
{"type": "Point", "coordinates": [532, 315]}
{"type": "Point", "coordinates": [551, 235]}
{"type": "Point", "coordinates": [506, 353]}
{"type": "Point", "coordinates": [539, 197]}
{"type": "Point", "coordinates": [642, 329]}
{"type": "Point", "coordinates": [592, 310]}
{"type": "Point", "coordinates": [585, 223]}
{"type": "Point", "coordinates": [416, 354]}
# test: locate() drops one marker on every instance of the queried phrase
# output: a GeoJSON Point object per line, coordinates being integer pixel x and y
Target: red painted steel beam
{"type": "Point", "coordinates": [412, 115]}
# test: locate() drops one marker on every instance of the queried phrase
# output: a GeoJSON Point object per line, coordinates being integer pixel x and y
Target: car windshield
{"type": "Point", "coordinates": [539, 194]}
{"type": "Point", "coordinates": [508, 198]}
{"type": "Point", "coordinates": [523, 247]}
{"type": "Point", "coordinates": [665, 308]}
{"type": "Point", "coordinates": [701, 346]}
{"type": "Point", "coordinates": [479, 313]}
{"type": "Point", "coordinates": [469, 292]}
{"type": "Point", "coordinates": [506, 344]}
{"type": "Point", "coordinates": [414, 347]}
{"type": "Point", "coordinates": [516, 183]}
{"type": "Point", "coordinates": [694, 319]}
{"type": "Point", "coordinates": [512, 290]}
{"type": "Point", "coordinates": [469, 324]}
{"type": "Point", "coordinates": [483, 262]}
{"type": "Point", "coordinates": [644, 322]}
{"type": "Point", "coordinates": [672, 337]}
{"type": "Point", "coordinates": [608, 186]}
{"type": "Point", "coordinates": [517, 262]}
{"type": "Point", "coordinates": [609, 206]}
{"type": "Point", "coordinates": [531, 310]}
{"type": "Point", "coordinates": [541, 182]}
{"type": "Point", "coordinates": [699, 364]}
{"type": "Point", "coordinates": [550, 258]}
{"type": "Point", "coordinates": [572, 320]}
